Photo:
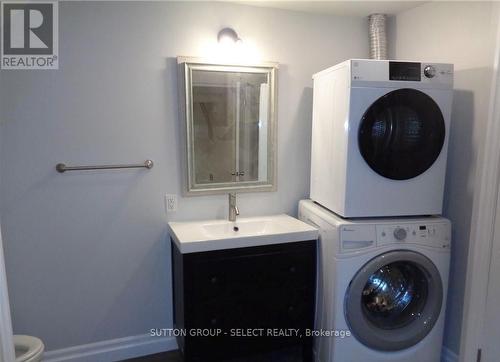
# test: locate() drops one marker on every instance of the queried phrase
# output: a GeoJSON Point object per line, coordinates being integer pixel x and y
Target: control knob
{"type": "Point", "coordinates": [400, 234]}
{"type": "Point", "coordinates": [429, 71]}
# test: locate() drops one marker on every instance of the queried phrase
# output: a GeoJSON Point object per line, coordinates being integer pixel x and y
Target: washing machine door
{"type": "Point", "coordinates": [401, 134]}
{"type": "Point", "coordinates": [394, 300]}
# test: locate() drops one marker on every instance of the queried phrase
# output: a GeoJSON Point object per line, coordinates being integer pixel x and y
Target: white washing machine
{"type": "Point", "coordinates": [382, 287]}
{"type": "Point", "coordinates": [380, 137]}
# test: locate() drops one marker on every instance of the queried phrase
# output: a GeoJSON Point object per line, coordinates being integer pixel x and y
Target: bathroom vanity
{"type": "Point", "coordinates": [241, 294]}
{"type": "Point", "coordinates": [243, 286]}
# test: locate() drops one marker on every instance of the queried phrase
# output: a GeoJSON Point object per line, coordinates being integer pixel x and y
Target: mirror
{"type": "Point", "coordinates": [230, 119]}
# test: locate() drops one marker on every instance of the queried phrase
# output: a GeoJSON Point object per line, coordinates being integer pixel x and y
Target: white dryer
{"type": "Point", "coordinates": [380, 137]}
{"type": "Point", "coordinates": [382, 287]}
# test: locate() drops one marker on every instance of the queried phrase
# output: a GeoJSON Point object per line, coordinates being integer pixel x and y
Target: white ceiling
{"type": "Point", "coordinates": [345, 8]}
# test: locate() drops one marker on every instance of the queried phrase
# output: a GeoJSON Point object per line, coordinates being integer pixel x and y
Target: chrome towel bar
{"type": "Point", "coordinates": [61, 167]}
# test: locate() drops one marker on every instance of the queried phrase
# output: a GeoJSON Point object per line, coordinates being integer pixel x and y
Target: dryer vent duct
{"type": "Point", "coordinates": [378, 36]}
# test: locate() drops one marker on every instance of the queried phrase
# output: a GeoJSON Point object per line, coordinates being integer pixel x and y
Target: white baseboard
{"type": "Point", "coordinates": [113, 350]}
{"type": "Point", "coordinates": [447, 355]}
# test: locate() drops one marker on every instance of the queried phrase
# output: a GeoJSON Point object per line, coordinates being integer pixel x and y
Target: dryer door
{"type": "Point", "coordinates": [401, 134]}
{"type": "Point", "coordinates": [394, 300]}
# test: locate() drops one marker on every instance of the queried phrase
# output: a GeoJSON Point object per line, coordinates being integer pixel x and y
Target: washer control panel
{"type": "Point", "coordinates": [432, 234]}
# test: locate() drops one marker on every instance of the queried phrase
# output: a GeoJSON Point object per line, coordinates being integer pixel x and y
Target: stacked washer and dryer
{"type": "Point", "coordinates": [379, 148]}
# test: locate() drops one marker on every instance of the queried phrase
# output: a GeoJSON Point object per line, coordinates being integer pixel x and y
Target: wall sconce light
{"type": "Point", "coordinates": [228, 36]}
{"type": "Point", "coordinates": [230, 48]}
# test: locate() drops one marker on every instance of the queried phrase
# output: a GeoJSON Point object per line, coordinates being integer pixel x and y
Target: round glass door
{"type": "Point", "coordinates": [394, 300]}
{"type": "Point", "coordinates": [402, 133]}
{"type": "Point", "coordinates": [395, 295]}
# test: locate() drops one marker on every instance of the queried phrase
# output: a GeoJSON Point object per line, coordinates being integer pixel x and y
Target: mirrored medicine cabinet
{"type": "Point", "coordinates": [229, 116]}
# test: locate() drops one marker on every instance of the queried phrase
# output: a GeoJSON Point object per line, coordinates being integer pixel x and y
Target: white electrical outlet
{"type": "Point", "coordinates": [170, 203]}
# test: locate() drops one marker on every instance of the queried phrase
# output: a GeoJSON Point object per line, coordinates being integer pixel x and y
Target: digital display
{"type": "Point", "coordinates": [422, 227]}
{"type": "Point", "coordinates": [404, 71]}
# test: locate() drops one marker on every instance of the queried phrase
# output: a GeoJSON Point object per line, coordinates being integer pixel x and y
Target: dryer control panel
{"type": "Point", "coordinates": [431, 234]}
{"type": "Point", "coordinates": [388, 73]}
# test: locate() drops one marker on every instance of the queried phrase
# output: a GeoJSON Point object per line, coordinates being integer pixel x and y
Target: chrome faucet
{"type": "Point", "coordinates": [233, 209]}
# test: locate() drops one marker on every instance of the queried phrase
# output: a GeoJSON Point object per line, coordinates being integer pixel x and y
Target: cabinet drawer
{"type": "Point", "coordinates": [272, 313]}
{"type": "Point", "coordinates": [268, 310]}
{"type": "Point", "coordinates": [247, 275]}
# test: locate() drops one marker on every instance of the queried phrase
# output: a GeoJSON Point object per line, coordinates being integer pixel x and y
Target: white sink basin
{"type": "Point", "coordinates": [198, 236]}
{"type": "Point", "coordinates": [245, 227]}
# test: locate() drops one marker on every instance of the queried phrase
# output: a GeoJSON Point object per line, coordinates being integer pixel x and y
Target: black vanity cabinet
{"type": "Point", "coordinates": [245, 301]}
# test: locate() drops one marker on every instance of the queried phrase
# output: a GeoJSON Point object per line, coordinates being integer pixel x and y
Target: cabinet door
{"type": "Point", "coordinates": [264, 288]}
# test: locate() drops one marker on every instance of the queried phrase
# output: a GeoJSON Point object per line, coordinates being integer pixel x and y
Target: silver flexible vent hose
{"type": "Point", "coordinates": [378, 36]}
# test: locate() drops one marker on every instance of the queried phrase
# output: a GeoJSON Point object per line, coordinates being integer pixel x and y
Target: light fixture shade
{"type": "Point", "coordinates": [227, 35]}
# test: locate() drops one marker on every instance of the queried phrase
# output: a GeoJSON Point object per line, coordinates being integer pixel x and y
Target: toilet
{"type": "Point", "coordinates": [28, 349]}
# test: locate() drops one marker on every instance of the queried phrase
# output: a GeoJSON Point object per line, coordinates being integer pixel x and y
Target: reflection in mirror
{"type": "Point", "coordinates": [230, 127]}
{"type": "Point", "coordinates": [227, 126]}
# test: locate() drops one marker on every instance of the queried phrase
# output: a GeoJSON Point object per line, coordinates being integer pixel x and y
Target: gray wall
{"type": "Point", "coordinates": [87, 253]}
{"type": "Point", "coordinates": [464, 34]}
